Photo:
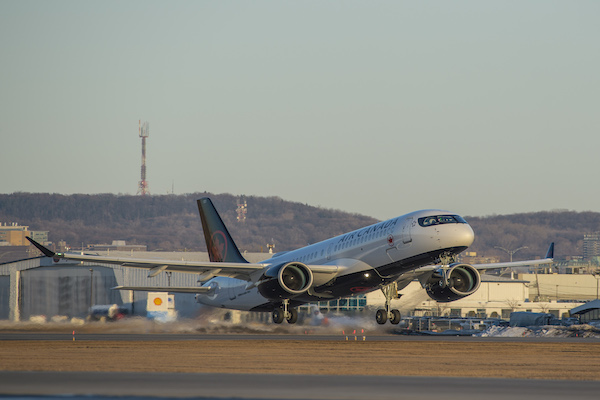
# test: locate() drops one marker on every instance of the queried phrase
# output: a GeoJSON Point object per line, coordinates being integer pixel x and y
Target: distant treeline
{"type": "Point", "coordinates": [171, 223]}
{"type": "Point", "coordinates": [534, 230]}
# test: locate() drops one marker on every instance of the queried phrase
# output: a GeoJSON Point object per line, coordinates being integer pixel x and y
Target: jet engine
{"type": "Point", "coordinates": [285, 281]}
{"type": "Point", "coordinates": [452, 283]}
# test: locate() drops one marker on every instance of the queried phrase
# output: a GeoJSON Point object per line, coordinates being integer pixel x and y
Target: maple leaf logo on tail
{"type": "Point", "coordinates": [219, 243]}
{"type": "Point", "coordinates": [218, 248]}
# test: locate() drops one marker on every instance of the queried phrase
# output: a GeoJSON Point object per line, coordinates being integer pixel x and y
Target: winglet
{"type": "Point", "coordinates": [220, 245]}
{"type": "Point", "coordinates": [550, 252]}
{"type": "Point", "coordinates": [47, 252]}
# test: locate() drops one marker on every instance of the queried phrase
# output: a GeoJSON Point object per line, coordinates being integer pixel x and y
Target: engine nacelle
{"type": "Point", "coordinates": [285, 281]}
{"type": "Point", "coordinates": [452, 283]}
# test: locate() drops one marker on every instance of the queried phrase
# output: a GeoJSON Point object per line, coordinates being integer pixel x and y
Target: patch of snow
{"type": "Point", "coordinates": [542, 331]}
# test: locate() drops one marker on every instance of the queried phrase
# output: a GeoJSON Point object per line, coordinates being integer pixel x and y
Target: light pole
{"type": "Point", "coordinates": [510, 253]}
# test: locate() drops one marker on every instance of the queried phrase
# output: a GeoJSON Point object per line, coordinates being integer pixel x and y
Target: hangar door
{"type": "Point", "coordinates": [66, 291]}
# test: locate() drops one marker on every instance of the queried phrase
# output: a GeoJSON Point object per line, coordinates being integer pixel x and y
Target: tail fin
{"type": "Point", "coordinates": [550, 252]}
{"type": "Point", "coordinates": [220, 245]}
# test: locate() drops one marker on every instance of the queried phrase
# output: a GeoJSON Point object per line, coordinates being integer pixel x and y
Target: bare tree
{"type": "Point", "coordinates": [512, 304]}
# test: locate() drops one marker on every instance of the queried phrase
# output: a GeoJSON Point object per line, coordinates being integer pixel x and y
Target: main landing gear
{"type": "Point", "coordinates": [390, 292]}
{"type": "Point", "coordinates": [284, 312]}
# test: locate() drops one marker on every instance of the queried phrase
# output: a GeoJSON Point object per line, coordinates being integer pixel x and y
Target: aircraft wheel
{"type": "Point", "coordinates": [381, 316]}
{"type": "Point", "coordinates": [395, 317]}
{"type": "Point", "coordinates": [278, 315]}
{"type": "Point", "coordinates": [293, 316]}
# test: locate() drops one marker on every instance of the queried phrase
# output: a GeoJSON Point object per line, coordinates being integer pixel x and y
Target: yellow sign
{"type": "Point", "coordinates": [157, 301]}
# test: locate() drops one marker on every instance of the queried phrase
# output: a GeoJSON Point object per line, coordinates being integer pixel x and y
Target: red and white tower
{"type": "Point", "coordinates": [144, 131]}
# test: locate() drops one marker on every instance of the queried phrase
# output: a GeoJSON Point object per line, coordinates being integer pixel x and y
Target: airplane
{"type": "Point", "coordinates": [385, 256]}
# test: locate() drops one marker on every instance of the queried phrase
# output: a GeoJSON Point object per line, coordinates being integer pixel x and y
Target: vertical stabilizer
{"type": "Point", "coordinates": [220, 245]}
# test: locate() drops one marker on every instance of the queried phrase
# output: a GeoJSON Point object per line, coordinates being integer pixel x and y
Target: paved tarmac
{"type": "Point", "coordinates": [134, 385]}
{"type": "Point", "coordinates": [67, 335]}
{"type": "Point", "coordinates": [247, 386]}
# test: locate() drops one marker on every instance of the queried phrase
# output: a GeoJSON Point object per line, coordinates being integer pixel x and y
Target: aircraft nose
{"type": "Point", "coordinates": [456, 236]}
{"type": "Point", "coordinates": [466, 235]}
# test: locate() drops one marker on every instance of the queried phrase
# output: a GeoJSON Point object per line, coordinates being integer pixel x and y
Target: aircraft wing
{"type": "Point", "coordinates": [514, 264]}
{"type": "Point", "coordinates": [548, 259]}
{"type": "Point", "coordinates": [156, 266]}
{"type": "Point", "coordinates": [206, 270]}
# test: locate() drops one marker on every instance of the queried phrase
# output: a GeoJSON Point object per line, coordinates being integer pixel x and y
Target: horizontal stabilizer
{"type": "Point", "coordinates": [171, 289]}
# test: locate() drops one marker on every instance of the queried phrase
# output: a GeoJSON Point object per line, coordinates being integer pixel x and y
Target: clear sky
{"type": "Point", "coordinates": [375, 107]}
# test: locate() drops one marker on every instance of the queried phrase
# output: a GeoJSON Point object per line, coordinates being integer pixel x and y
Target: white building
{"type": "Point", "coordinates": [496, 298]}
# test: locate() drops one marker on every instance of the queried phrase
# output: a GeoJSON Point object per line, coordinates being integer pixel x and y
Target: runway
{"type": "Point", "coordinates": [93, 381]}
{"type": "Point", "coordinates": [247, 386]}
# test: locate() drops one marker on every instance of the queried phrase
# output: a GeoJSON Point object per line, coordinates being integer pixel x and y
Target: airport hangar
{"type": "Point", "coordinates": [39, 287]}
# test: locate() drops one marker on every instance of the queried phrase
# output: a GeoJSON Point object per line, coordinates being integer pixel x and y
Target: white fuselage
{"type": "Point", "coordinates": [366, 259]}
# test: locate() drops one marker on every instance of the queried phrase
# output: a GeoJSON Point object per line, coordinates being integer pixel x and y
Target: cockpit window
{"type": "Point", "coordinates": [441, 219]}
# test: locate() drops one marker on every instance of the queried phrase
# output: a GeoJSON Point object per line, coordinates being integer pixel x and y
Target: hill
{"type": "Point", "coordinates": [171, 223]}
{"type": "Point", "coordinates": [534, 230]}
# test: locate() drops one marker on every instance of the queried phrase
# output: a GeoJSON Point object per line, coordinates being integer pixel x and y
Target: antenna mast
{"type": "Point", "coordinates": [144, 131]}
{"type": "Point", "coordinates": [242, 208]}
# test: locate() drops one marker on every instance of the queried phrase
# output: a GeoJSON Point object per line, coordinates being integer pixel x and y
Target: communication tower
{"type": "Point", "coordinates": [144, 131]}
{"type": "Point", "coordinates": [242, 208]}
